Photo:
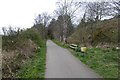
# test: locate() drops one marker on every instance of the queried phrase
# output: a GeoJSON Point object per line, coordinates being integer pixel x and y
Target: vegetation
{"type": "Point", "coordinates": [101, 33]}
{"type": "Point", "coordinates": [56, 28]}
{"type": "Point", "coordinates": [20, 47]}
{"type": "Point", "coordinates": [35, 67]}
{"type": "Point", "coordinates": [61, 44]}
{"type": "Point", "coordinates": [24, 51]}
{"type": "Point", "coordinates": [103, 61]}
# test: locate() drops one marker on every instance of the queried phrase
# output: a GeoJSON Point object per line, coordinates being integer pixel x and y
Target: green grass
{"type": "Point", "coordinates": [102, 61]}
{"type": "Point", "coordinates": [34, 68]}
{"type": "Point", "coordinates": [61, 44]}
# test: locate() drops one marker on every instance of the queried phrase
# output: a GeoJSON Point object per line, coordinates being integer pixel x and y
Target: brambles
{"type": "Point", "coordinates": [17, 49]}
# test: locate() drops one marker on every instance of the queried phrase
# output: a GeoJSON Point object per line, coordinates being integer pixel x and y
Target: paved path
{"type": "Point", "coordinates": [61, 63]}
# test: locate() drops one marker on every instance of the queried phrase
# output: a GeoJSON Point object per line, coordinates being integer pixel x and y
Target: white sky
{"type": "Point", "coordinates": [21, 13]}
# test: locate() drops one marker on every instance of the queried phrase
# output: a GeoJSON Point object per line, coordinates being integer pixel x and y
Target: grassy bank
{"type": "Point", "coordinates": [103, 61]}
{"type": "Point", "coordinates": [97, 33]}
{"type": "Point", "coordinates": [61, 44]}
{"type": "Point", "coordinates": [35, 67]}
{"type": "Point", "coordinates": [21, 56]}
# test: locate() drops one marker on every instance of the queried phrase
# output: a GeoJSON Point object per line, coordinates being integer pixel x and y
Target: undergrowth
{"type": "Point", "coordinates": [19, 50]}
{"type": "Point", "coordinates": [35, 67]}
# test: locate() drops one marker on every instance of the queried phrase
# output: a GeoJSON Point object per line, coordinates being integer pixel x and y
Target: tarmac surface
{"type": "Point", "coordinates": [60, 63]}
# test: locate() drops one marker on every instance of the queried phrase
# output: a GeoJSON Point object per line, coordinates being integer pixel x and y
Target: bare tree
{"type": "Point", "coordinates": [98, 10]}
{"type": "Point", "coordinates": [42, 19]}
{"type": "Point", "coordinates": [67, 8]}
{"type": "Point", "coordinates": [38, 19]}
{"type": "Point", "coordinates": [4, 30]}
{"type": "Point", "coordinates": [11, 31]}
{"type": "Point", "coordinates": [45, 18]}
{"type": "Point", "coordinates": [41, 22]}
{"type": "Point", "coordinates": [116, 7]}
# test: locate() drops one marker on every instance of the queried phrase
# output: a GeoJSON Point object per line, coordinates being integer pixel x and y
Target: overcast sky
{"type": "Point", "coordinates": [21, 13]}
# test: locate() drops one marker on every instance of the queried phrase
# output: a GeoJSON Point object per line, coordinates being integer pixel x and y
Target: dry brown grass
{"type": "Point", "coordinates": [14, 59]}
{"type": "Point", "coordinates": [102, 33]}
{"type": "Point", "coordinates": [17, 49]}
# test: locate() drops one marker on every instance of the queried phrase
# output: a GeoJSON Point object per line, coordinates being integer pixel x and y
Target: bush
{"type": "Point", "coordinates": [17, 49]}
{"type": "Point", "coordinates": [32, 34]}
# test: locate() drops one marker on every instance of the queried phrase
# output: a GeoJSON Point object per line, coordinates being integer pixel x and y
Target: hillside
{"type": "Point", "coordinates": [100, 33]}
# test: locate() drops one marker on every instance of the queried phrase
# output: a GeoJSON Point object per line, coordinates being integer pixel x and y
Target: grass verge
{"type": "Point", "coordinates": [61, 44]}
{"type": "Point", "coordinates": [35, 67]}
{"type": "Point", "coordinates": [103, 61]}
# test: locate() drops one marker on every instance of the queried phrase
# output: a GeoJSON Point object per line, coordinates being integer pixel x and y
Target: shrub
{"type": "Point", "coordinates": [18, 48]}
